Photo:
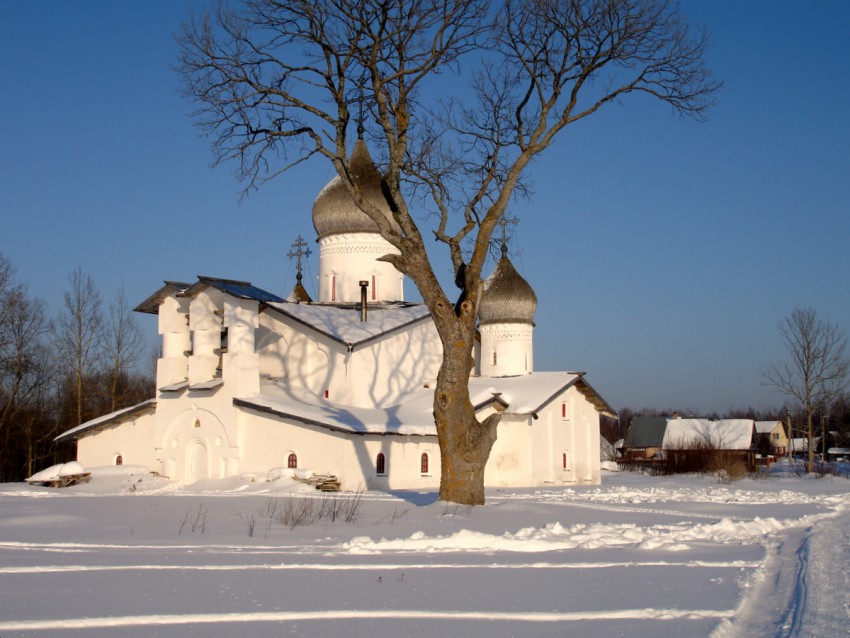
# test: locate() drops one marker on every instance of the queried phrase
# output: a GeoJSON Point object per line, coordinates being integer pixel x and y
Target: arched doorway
{"type": "Point", "coordinates": [197, 461]}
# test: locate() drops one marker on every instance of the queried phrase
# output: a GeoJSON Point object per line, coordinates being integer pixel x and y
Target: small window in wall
{"type": "Point", "coordinates": [381, 464]}
{"type": "Point", "coordinates": [292, 461]}
{"type": "Point", "coordinates": [423, 463]}
{"type": "Point", "coordinates": [333, 287]}
{"type": "Point", "coordinates": [197, 423]}
{"type": "Point", "coordinates": [374, 289]}
{"type": "Point", "coordinates": [119, 460]}
{"type": "Point", "coordinates": [494, 357]}
{"type": "Point", "coordinates": [565, 412]}
{"type": "Point", "coordinates": [564, 461]}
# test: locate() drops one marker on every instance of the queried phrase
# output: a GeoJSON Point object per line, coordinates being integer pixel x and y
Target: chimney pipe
{"type": "Point", "coordinates": [363, 286]}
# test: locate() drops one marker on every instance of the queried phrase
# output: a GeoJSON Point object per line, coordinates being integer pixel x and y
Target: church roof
{"type": "Point", "coordinates": [334, 210]}
{"type": "Point", "coordinates": [342, 322]}
{"type": "Point", "coordinates": [523, 395]}
{"type": "Point", "coordinates": [234, 287]}
{"type": "Point", "coordinates": [507, 297]}
{"type": "Point", "coordinates": [113, 418]}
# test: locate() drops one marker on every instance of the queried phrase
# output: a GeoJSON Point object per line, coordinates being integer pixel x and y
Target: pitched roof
{"type": "Point", "coordinates": [342, 322]}
{"type": "Point", "coordinates": [723, 434]}
{"type": "Point", "coordinates": [766, 427]}
{"type": "Point", "coordinates": [646, 431]}
{"type": "Point", "coordinates": [523, 395]}
{"type": "Point", "coordinates": [113, 418]}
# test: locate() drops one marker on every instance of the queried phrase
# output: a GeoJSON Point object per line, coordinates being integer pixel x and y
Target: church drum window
{"type": "Point", "coordinates": [119, 460]}
{"type": "Point", "coordinates": [423, 463]}
{"type": "Point", "coordinates": [292, 461]}
{"type": "Point", "coordinates": [381, 465]}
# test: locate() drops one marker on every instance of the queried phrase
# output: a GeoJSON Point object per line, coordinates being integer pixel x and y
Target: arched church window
{"type": "Point", "coordinates": [381, 464]}
{"type": "Point", "coordinates": [119, 460]}
{"type": "Point", "coordinates": [423, 463]}
{"type": "Point", "coordinates": [292, 461]}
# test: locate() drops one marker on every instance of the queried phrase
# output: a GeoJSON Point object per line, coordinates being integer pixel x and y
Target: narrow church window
{"type": "Point", "coordinates": [564, 412]}
{"type": "Point", "coordinates": [381, 464]}
{"type": "Point", "coordinates": [333, 287]}
{"type": "Point", "coordinates": [197, 423]}
{"type": "Point", "coordinates": [292, 461]}
{"type": "Point", "coordinates": [423, 463]}
{"type": "Point", "coordinates": [374, 291]}
{"type": "Point", "coordinates": [119, 460]}
{"type": "Point", "coordinates": [564, 461]}
{"type": "Point", "coordinates": [494, 357]}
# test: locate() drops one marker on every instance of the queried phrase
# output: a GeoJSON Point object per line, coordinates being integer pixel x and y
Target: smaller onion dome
{"type": "Point", "coordinates": [507, 297]}
{"type": "Point", "coordinates": [334, 210]}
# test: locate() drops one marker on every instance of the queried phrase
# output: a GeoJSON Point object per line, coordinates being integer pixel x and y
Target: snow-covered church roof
{"type": "Point", "coordinates": [524, 395]}
{"type": "Point", "coordinates": [341, 322]}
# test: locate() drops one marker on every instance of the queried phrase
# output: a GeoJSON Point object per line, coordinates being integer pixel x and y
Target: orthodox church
{"type": "Point", "coordinates": [249, 382]}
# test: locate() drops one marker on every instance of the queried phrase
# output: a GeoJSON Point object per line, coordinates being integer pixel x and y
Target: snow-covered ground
{"type": "Point", "coordinates": [129, 554]}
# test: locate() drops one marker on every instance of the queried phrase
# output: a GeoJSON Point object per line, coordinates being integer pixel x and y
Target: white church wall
{"type": "Point", "coordinates": [351, 458]}
{"type": "Point", "coordinates": [173, 326]}
{"type": "Point", "coordinates": [512, 456]}
{"type": "Point", "coordinates": [387, 369]}
{"type": "Point", "coordinates": [302, 357]}
{"type": "Point", "coordinates": [133, 440]}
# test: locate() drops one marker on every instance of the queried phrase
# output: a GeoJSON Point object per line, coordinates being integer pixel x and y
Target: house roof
{"type": "Point", "coordinates": [113, 418]}
{"type": "Point", "coordinates": [646, 431]}
{"type": "Point", "coordinates": [766, 427]}
{"type": "Point", "coordinates": [724, 434]}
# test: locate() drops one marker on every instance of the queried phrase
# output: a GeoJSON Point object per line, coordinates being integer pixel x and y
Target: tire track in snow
{"type": "Point", "coordinates": [57, 569]}
{"type": "Point", "coordinates": [324, 615]}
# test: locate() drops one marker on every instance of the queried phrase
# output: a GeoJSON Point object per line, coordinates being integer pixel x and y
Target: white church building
{"type": "Point", "coordinates": [249, 382]}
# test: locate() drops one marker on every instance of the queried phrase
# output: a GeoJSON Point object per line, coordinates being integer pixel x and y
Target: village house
{"type": "Point", "coordinates": [772, 438]}
{"type": "Point", "coordinates": [252, 383]}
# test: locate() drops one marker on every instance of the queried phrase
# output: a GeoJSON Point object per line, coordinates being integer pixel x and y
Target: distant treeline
{"type": "Point", "coordinates": [57, 372]}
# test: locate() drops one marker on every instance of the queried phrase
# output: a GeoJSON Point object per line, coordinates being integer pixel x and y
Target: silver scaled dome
{"type": "Point", "coordinates": [507, 297]}
{"type": "Point", "coordinates": [334, 211]}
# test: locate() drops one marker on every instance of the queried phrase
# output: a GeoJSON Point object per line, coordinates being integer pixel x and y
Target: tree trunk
{"type": "Point", "coordinates": [465, 443]}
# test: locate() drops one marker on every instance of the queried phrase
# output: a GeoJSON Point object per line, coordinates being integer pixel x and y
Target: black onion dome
{"type": "Point", "coordinates": [507, 297]}
{"type": "Point", "coordinates": [334, 211]}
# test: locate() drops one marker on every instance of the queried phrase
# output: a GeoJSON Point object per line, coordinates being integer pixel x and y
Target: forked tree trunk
{"type": "Point", "coordinates": [465, 443]}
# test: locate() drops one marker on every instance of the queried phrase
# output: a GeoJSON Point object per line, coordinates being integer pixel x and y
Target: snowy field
{"type": "Point", "coordinates": [129, 554]}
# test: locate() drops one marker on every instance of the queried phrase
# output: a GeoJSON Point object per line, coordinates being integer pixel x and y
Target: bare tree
{"type": "Point", "coordinates": [818, 371]}
{"type": "Point", "coordinates": [122, 346]}
{"type": "Point", "coordinates": [78, 335]}
{"type": "Point", "coordinates": [277, 83]}
{"type": "Point", "coordinates": [25, 371]}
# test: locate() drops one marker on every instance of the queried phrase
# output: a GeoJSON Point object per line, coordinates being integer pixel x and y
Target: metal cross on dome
{"type": "Point", "coordinates": [298, 251]}
{"type": "Point", "coordinates": [503, 222]}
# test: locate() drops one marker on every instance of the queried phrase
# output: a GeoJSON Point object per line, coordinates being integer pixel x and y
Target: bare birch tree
{"type": "Point", "coordinates": [122, 346]}
{"type": "Point", "coordinates": [817, 373]}
{"type": "Point", "coordinates": [461, 96]}
{"type": "Point", "coordinates": [78, 335]}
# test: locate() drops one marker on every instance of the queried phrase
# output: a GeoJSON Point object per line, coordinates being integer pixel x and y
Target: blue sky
{"type": "Point", "coordinates": [663, 251]}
